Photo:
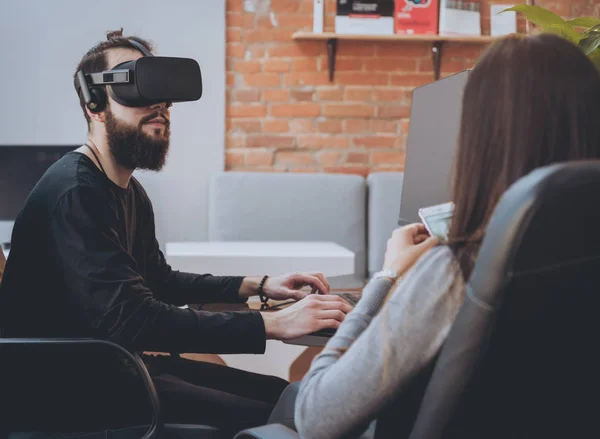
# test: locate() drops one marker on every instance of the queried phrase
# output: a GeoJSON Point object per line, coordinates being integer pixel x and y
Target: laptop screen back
{"type": "Point", "coordinates": [431, 143]}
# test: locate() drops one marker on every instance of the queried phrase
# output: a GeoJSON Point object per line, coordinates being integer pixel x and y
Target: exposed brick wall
{"type": "Point", "coordinates": [283, 114]}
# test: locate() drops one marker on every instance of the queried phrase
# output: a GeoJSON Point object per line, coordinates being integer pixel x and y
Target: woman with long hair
{"type": "Point", "coordinates": [529, 102]}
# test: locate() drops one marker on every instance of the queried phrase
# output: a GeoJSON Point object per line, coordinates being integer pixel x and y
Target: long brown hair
{"type": "Point", "coordinates": [529, 102]}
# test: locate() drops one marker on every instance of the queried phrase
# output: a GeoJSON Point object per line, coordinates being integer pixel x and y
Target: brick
{"type": "Point", "coordinates": [270, 141]}
{"type": "Point", "coordinates": [387, 157]}
{"type": "Point", "coordinates": [276, 126]}
{"type": "Point", "coordinates": [257, 52]}
{"type": "Point", "coordinates": [302, 126]}
{"type": "Point", "coordinates": [235, 50]}
{"type": "Point", "coordinates": [361, 78]}
{"type": "Point", "coordinates": [349, 169]}
{"type": "Point", "coordinates": [266, 35]}
{"type": "Point", "coordinates": [357, 157]}
{"type": "Point", "coordinates": [348, 64]}
{"type": "Point", "coordinates": [294, 50]}
{"type": "Point", "coordinates": [233, 35]}
{"type": "Point", "coordinates": [235, 5]}
{"type": "Point", "coordinates": [245, 126]}
{"type": "Point", "coordinates": [284, 6]}
{"type": "Point", "coordinates": [348, 110]}
{"type": "Point", "coordinates": [304, 65]}
{"type": "Point", "coordinates": [404, 126]}
{"type": "Point", "coordinates": [259, 157]}
{"type": "Point", "coordinates": [356, 126]}
{"type": "Point", "coordinates": [264, 22]}
{"type": "Point", "coordinates": [262, 79]}
{"type": "Point", "coordinates": [294, 158]}
{"type": "Point", "coordinates": [247, 110]}
{"type": "Point", "coordinates": [230, 79]}
{"type": "Point", "coordinates": [409, 49]}
{"type": "Point", "coordinates": [234, 19]}
{"type": "Point", "coordinates": [302, 95]}
{"type": "Point", "coordinates": [458, 50]}
{"type": "Point", "coordinates": [385, 126]}
{"type": "Point", "coordinates": [295, 110]}
{"type": "Point", "coordinates": [328, 157]}
{"type": "Point", "coordinates": [355, 48]}
{"type": "Point", "coordinates": [294, 21]}
{"type": "Point", "coordinates": [330, 93]}
{"type": "Point", "coordinates": [306, 6]}
{"type": "Point", "coordinates": [243, 66]}
{"type": "Point", "coordinates": [276, 65]}
{"type": "Point", "coordinates": [252, 95]}
{"type": "Point", "coordinates": [276, 95]}
{"type": "Point", "coordinates": [306, 78]}
{"type": "Point", "coordinates": [234, 157]}
{"type": "Point", "coordinates": [392, 94]}
{"type": "Point", "coordinates": [393, 111]}
{"type": "Point", "coordinates": [374, 141]}
{"type": "Point", "coordinates": [391, 64]}
{"type": "Point", "coordinates": [304, 169]}
{"type": "Point", "coordinates": [319, 142]}
{"type": "Point", "coordinates": [388, 168]}
{"type": "Point", "coordinates": [330, 126]}
{"type": "Point", "coordinates": [416, 80]}
{"type": "Point", "coordinates": [235, 141]}
{"type": "Point", "coordinates": [358, 94]}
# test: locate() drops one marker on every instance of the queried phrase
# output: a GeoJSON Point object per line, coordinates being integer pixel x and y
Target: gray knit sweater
{"type": "Point", "coordinates": [378, 348]}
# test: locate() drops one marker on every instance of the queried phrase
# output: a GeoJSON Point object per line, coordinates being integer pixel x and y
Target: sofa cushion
{"type": "Point", "coordinates": [385, 190]}
{"type": "Point", "coordinates": [246, 206]}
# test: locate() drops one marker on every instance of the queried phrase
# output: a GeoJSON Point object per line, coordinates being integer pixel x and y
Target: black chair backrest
{"type": "Point", "coordinates": [520, 360]}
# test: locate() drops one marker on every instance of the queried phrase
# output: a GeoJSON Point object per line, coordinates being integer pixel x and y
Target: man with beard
{"type": "Point", "coordinates": [85, 262]}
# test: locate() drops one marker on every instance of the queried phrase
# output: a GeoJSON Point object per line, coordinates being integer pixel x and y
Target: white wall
{"type": "Point", "coordinates": [41, 43]}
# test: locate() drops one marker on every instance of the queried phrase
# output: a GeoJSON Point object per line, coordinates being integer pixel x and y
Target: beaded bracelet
{"type": "Point", "coordinates": [261, 292]}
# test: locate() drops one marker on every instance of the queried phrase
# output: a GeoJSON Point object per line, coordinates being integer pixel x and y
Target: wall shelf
{"type": "Point", "coordinates": [331, 39]}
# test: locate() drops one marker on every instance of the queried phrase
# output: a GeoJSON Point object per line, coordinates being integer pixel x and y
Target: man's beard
{"type": "Point", "coordinates": [134, 149]}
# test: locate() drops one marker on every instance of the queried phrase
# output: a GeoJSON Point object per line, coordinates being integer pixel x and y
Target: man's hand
{"type": "Point", "coordinates": [310, 314]}
{"type": "Point", "coordinates": [289, 286]}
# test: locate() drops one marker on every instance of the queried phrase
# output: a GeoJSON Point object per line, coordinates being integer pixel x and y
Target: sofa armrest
{"type": "Point", "coordinates": [271, 431]}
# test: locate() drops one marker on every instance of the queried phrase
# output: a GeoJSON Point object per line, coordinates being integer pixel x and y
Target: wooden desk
{"type": "Point", "coordinates": [287, 361]}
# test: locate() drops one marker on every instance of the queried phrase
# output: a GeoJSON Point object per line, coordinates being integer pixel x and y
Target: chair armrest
{"type": "Point", "coordinates": [136, 361]}
{"type": "Point", "coordinates": [271, 431]}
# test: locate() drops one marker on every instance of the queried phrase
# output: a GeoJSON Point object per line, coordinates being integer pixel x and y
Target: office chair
{"type": "Point", "coordinates": [520, 359]}
{"type": "Point", "coordinates": [42, 395]}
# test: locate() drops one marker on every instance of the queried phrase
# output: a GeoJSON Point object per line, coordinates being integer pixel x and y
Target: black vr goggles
{"type": "Point", "coordinates": [145, 81]}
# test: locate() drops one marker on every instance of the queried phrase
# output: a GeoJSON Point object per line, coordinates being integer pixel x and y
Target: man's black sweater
{"type": "Point", "coordinates": [85, 262]}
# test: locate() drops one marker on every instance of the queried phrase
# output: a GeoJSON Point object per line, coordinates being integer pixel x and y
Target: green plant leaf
{"type": "Point", "coordinates": [539, 16]}
{"type": "Point", "coordinates": [591, 30]}
{"type": "Point", "coordinates": [584, 22]}
{"type": "Point", "coordinates": [595, 57]}
{"type": "Point", "coordinates": [565, 31]}
{"type": "Point", "coordinates": [590, 43]}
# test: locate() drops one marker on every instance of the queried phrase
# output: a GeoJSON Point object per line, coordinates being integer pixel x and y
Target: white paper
{"type": "Point", "coordinates": [502, 24]}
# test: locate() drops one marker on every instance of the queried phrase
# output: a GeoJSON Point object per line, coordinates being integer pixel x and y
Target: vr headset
{"type": "Point", "coordinates": [145, 81]}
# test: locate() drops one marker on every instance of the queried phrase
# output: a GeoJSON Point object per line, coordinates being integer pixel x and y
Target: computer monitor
{"type": "Point", "coordinates": [21, 167]}
{"type": "Point", "coordinates": [431, 145]}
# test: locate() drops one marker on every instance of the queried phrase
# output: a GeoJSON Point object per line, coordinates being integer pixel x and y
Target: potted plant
{"type": "Point", "coordinates": [583, 32]}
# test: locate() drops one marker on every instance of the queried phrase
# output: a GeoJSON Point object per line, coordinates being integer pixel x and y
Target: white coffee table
{"type": "Point", "coordinates": [255, 258]}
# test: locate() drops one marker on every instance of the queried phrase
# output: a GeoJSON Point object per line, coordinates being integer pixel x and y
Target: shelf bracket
{"type": "Point", "coordinates": [331, 53]}
{"type": "Point", "coordinates": [436, 56]}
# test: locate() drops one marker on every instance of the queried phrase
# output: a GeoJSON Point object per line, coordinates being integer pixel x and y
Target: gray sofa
{"type": "Point", "coordinates": [357, 213]}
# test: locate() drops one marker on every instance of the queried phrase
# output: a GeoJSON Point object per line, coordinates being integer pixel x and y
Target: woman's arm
{"type": "Point", "coordinates": [366, 362]}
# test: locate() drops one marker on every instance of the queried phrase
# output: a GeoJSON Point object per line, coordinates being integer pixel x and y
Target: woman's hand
{"type": "Point", "coordinates": [406, 246]}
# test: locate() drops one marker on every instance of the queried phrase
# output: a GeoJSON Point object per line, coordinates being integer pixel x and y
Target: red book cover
{"type": "Point", "coordinates": [416, 17]}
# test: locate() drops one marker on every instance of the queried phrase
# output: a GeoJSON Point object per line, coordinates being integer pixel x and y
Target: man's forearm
{"type": "Point", "coordinates": [249, 287]}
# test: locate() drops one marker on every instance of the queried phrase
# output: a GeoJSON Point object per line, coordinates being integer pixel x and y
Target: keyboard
{"type": "Point", "coordinates": [351, 298]}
